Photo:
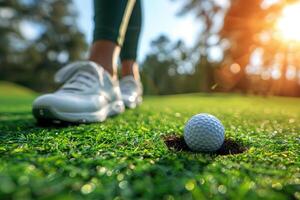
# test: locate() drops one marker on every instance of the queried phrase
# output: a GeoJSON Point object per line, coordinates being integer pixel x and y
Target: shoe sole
{"type": "Point", "coordinates": [50, 114]}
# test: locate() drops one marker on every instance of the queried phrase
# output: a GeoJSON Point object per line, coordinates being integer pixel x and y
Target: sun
{"type": "Point", "coordinates": [288, 23]}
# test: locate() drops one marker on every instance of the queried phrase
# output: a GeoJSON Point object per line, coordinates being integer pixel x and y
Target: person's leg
{"type": "Point", "coordinates": [84, 97]}
{"type": "Point", "coordinates": [106, 54]}
{"type": "Point", "coordinates": [111, 21]}
{"type": "Point", "coordinates": [130, 84]}
{"type": "Point", "coordinates": [129, 49]}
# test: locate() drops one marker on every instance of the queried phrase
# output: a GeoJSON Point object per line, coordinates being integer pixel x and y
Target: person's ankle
{"type": "Point", "coordinates": [113, 74]}
{"type": "Point", "coordinates": [130, 68]}
{"type": "Point", "coordinates": [106, 53]}
{"type": "Point", "coordinates": [108, 68]}
{"type": "Point", "coordinates": [136, 76]}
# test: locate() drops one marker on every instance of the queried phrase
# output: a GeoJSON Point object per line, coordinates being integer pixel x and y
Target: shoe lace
{"type": "Point", "coordinates": [80, 82]}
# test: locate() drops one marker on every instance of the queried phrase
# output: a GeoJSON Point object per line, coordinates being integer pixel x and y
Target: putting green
{"type": "Point", "coordinates": [126, 157]}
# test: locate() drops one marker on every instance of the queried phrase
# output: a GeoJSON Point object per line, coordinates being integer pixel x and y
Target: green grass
{"type": "Point", "coordinates": [126, 158]}
{"type": "Point", "coordinates": [14, 90]}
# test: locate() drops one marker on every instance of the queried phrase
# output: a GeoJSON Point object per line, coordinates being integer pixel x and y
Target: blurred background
{"type": "Point", "coordinates": [186, 45]}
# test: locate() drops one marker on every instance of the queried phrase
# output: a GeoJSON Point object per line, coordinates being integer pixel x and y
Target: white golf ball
{"type": "Point", "coordinates": [204, 132]}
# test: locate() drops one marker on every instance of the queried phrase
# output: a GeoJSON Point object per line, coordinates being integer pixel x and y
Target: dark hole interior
{"type": "Point", "coordinates": [229, 146]}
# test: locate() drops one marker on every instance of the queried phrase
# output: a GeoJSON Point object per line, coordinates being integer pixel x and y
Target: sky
{"type": "Point", "coordinates": [159, 17]}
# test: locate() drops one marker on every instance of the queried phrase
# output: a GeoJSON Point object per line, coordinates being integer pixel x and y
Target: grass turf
{"type": "Point", "coordinates": [126, 157]}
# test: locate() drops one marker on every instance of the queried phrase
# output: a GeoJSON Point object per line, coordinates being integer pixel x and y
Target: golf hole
{"type": "Point", "coordinates": [229, 146]}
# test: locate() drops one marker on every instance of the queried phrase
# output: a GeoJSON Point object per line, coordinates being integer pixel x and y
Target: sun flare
{"type": "Point", "coordinates": [288, 23]}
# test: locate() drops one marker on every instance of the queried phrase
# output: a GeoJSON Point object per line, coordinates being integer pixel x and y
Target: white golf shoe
{"type": "Point", "coordinates": [88, 94]}
{"type": "Point", "coordinates": [132, 91]}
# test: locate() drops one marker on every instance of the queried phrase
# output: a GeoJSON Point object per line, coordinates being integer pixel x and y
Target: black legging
{"type": "Point", "coordinates": [119, 21]}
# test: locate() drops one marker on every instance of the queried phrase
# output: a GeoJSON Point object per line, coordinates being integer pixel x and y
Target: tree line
{"type": "Point", "coordinates": [238, 33]}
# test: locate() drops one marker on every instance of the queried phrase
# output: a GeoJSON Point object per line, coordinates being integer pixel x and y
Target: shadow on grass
{"type": "Point", "coordinates": [12, 122]}
{"type": "Point", "coordinates": [229, 146]}
{"type": "Point", "coordinates": [13, 114]}
{"type": "Point", "coordinates": [23, 122]}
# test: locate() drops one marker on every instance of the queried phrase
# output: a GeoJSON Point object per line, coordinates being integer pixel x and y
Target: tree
{"type": "Point", "coordinates": [246, 28]}
{"type": "Point", "coordinates": [170, 69]}
{"type": "Point", "coordinates": [207, 12]}
{"type": "Point", "coordinates": [37, 37]}
{"type": "Point", "coordinates": [159, 67]}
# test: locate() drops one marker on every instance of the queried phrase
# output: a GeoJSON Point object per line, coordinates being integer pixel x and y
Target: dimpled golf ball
{"type": "Point", "coordinates": [204, 133]}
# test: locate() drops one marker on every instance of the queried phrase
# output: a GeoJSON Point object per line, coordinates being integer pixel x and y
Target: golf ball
{"type": "Point", "coordinates": [204, 132]}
